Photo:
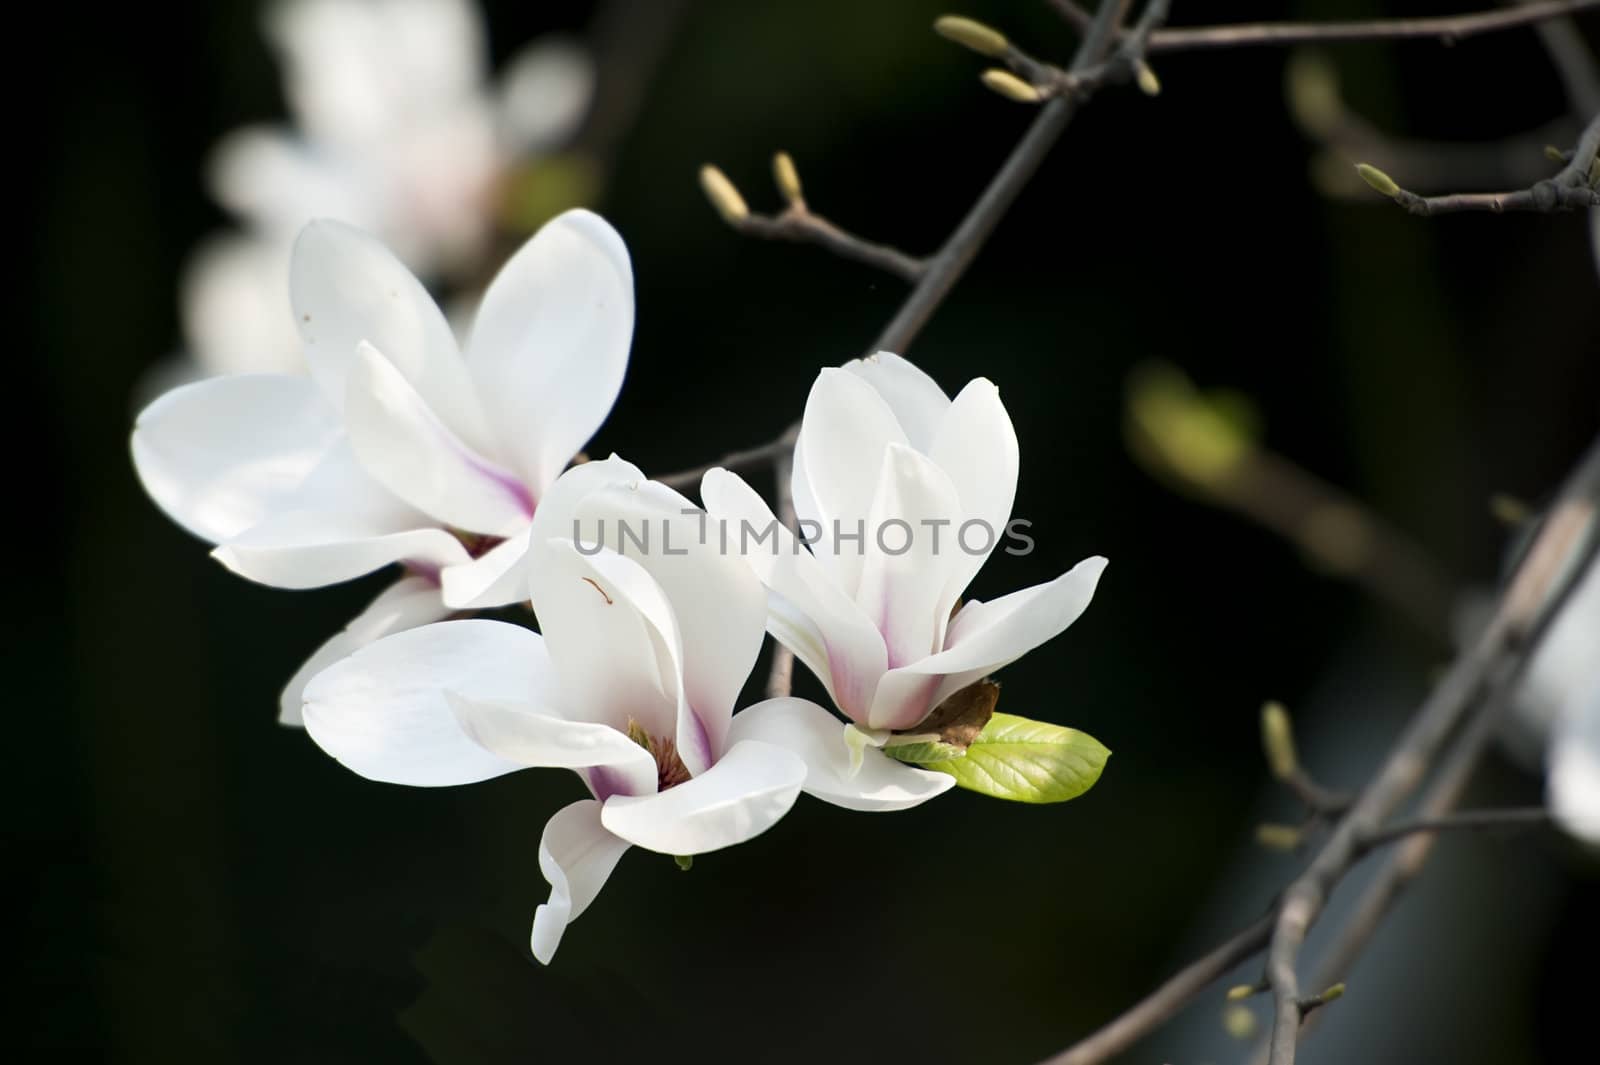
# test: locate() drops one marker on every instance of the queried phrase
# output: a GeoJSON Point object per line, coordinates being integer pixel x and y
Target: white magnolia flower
{"type": "Point", "coordinates": [397, 447]}
{"type": "Point", "coordinates": [907, 492]}
{"type": "Point", "coordinates": [631, 684]}
{"type": "Point", "coordinates": [395, 128]}
{"type": "Point", "coordinates": [1559, 699]}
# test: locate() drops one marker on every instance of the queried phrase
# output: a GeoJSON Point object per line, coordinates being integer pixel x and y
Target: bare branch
{"type": "Point", "coordinates": [749, 458]}
{"type": "Point", "coordinates": [1535, 591]}
{"type": "Point", "coordinates": [1446, 28]}
{"type": "Point", "coordinates": [1161, 1004]}
{"type": "Point", "coordinates": [797, 223]}
{"type": "Point", "coordinates": [1467, 820]}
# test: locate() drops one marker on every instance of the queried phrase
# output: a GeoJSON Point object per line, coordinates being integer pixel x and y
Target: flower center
{"type": "Point", "coordinates": [670, 770]}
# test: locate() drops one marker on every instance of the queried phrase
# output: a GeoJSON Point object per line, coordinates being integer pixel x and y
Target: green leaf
{"type": "Point", "coordinates": [1028, 761]}
{"type": "Point", "coordinates": [922, 752]}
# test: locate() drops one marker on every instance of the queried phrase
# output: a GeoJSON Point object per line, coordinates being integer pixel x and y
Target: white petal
{"type": "Point", "coordinates": [744, 794]}
{"type": "Point", "coordinates": [337, 525]}
{"type": "Point", "coordinates": [852, 647]}
{"type": "Point", "coordinates": [911, 534]}
{"type": "Point", "coordinates": [495, 578]}
{"type": "Point", "coordinates": [347, 288]}
{"type": "Point", "coordinates": [977, 447]}
{"type": "Point", "coordinates": [406, 604]}
{"type": "Point", "coordinates": [1574, 783]}
{"type": "Point", "coordinates": [219, 456]}
{"type": "Point", "coordinates": [383, 711]}
{"type": "Point", "coordinates": [233, 296]}
{"type": "Point", "coordinates": [815, 736]}
{"type": "Point", "coordinates": [843, 434]}
{"type": "Point", "coordinates": [576, 855]}
{"type": "Point", "coordinates": [557, 512]}
{"type": "Point", "coordinates": [983, 637]}
{"type": "Point", "coordinates": [608, 655]}
{"type": "Point", "coordinates": [550, 344]}
{"type": "Point", "coordinates": [533, 735]}
{"type": "Point", "coordinates": [919, 404]}
{"type": "Point", "coordinates": [717, 603]}
{"type": "Point", "coordinates": [545, 91]}
{"type": "Point", "coordinates": [403, 444]}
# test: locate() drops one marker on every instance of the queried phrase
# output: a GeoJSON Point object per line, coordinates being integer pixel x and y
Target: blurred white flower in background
{"type": "Point", "coordinates": [1559, 701]}
{"type": "Point", "coordinates": [394, 126]}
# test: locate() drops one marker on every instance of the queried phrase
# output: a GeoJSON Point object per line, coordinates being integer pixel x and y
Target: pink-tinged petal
{"type": "Point", "coordinates": [576, 856]}
{"type": "Point", "coordinates": [717, 603]}
{"type": "Point", "coordinates": [744, 794]}
{"type": "Point", "coordinates": [985, 637]}
{"type": "Point", "coordinates": [612, 665]}
{"type": "Point", "coordinates": [347, 288]}
{"type": "Point", "coordinates": [843, 434]}
{"type": "Point", "coordinates": [817, 738]}
{"type": "Point", "coordinates": [851, 644]}
{"type": "Point", "coordinates": [383, 712]}
{"type": "Point", "coordinates": [550, 344]}
{"type": "Point", "coordinates": [910, 547]}
{"type": "Point", "coordinates": [976, 447]}
{"type": "Point", "coordinates": [534, 735]}
{"type": "Point", "coordinates": [406, 447]}
{"type": "Point", "coordinates": [407, 604]}
{"type": "Point", "coordinates": [495, 578]}
{"type": "Point", "coordinates": [337, 525]}
{"type": "Point", "coordinates": [919, 404]}
{"type": "Point", "coordinates": [219, 456]}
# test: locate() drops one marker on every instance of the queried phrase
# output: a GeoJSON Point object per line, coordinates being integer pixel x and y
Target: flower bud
{"type": "Point", "coordinates": [1278, 837]}
{"type": "Point", "coordinates": [1148, 83]}
{"type": "Point", "coordinates": [786, 177]}
{"type": "Point", "coordinates": [972, 34]}
{"type": "Point", "coordinates": [1378, 180]}
{"type": "Point", "coordinates": [1277, 739]}
{"type": "Point", "coordinates": [1010, 86]}
{"type": "Point", "coordinates": [1239, 992]}
{"type": "Point", "coordinates": [723, 196]}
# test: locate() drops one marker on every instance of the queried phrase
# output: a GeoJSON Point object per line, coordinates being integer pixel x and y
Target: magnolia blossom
{"type": "Point", "coordinates": [398, 447]}
{"type": "Point", "coordinates": [395, 128]}
{"type": "Point", "coordinates": [1559, 699]}
{"type": "Point", "coordinates": [631, 683]}
{"type": "Point", "coordinates": [906, 494]}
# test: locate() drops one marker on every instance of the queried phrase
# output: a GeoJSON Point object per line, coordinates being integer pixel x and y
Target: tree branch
{"type": "Point", "coordinates": [1572, 188]}
{"type": "Point", "coordinates": [1447, 29]}
{"type": "Point", "coordinates": [1467, 820]}
{"type": "Point", "coordinates": [799, 225]}
{"type": "Point", "coordinates": [1161, 1004]}
{"type": "Point", "coordinates": [1535, 591]}
{"type": "Point", "coordinates": [938, 274]}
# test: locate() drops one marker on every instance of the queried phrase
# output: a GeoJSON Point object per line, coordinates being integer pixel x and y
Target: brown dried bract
{"type": "Point", "coordinates": [960, 718]}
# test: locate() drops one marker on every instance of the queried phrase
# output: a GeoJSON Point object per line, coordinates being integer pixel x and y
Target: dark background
{"type": "Point", "coordinates": [198, 883]}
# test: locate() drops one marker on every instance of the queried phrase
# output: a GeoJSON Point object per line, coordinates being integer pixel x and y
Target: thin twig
{"type": "Point", "coordinates": [1161, 1004]}
{"type": "Point", "coordinates": [1572, 188]}
{"type": "Point", "coordinates": [749, 458]}
{"type": "Point", "coordinates": [1536, 589]}
{"type": "Point", "coordinates": [1466, 820]}
{"type": "Point", "coordinates": [800, 225]}
{"type": "Point", "coordinates": [1446, 28]}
